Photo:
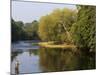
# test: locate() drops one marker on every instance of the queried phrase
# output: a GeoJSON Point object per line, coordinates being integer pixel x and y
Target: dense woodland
{"type": "Point", "coordinates": [63, 26]}
{"type": "Point", "coordinates": [21, 31]}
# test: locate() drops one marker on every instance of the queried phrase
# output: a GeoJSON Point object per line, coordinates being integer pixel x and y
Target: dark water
{"type": "Point", "coordinates": [27, 55]}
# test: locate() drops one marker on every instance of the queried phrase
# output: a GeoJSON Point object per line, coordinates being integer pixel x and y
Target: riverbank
{"type": "Point", "coordinates": [52, 45]}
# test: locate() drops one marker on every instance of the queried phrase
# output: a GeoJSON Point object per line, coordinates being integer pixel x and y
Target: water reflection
{"type": "Point", "coordinates": [32, 59]}
{"type": "Point", "coordinates": [14, 54]}
{"type": "Point", "coordinates": [35, 52]}
{"type": "Point", "coordinates": [24, 58]}
{"type": "Point", "coordinates": [29, 62]}
{"type": "Point", "coordinates": [53, 59]}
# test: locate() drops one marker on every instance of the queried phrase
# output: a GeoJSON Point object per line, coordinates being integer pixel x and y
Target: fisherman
{"type": "Point", "coordinates": [17, 67]}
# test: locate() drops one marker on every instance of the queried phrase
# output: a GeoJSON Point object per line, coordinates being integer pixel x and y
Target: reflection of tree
{"type": "Point", "coordinates": [33, 51]}
{"type": "Point", "coordinates": [30, 52]}
{"type": "Point", "coordinates": [14, 54]}
{"type": "Point", "coordinates": [65, 59]}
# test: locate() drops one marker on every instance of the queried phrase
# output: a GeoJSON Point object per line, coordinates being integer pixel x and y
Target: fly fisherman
{"type": "Point", "coordinates": [17, 67]}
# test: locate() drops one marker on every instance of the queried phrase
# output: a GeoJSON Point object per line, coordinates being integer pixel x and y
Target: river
{"type": "Point", "coordinates": [27, 55]}
{"type": "Point", "coordinates": [30, 57]}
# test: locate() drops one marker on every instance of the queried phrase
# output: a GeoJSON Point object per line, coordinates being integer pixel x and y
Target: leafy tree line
{"type": "Point", "coordinates": [84, 29]}
{"type": "Point", "coordinates": [31, 30]}
{"type": "Point", "coordinates": [70, 27]}
{"type": "Point", "coordinates": [62, 25]}
{"type": "Point", "coordinates": [21, 31]}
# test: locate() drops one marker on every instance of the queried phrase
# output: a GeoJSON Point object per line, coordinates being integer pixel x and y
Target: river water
{"type": "Point", "coordinates": [31, 57]}
{"type": "Point", "coordinates": [27, 56]}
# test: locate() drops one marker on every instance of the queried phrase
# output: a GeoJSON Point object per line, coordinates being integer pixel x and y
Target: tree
{"type": "Point", "coordinates": [56, 26]}
{"type": "Point", "coordinates": [84, 30]}
{"type": "Point", "coordinates": [17, 30]}
{"type": "Point", "coordinates": [31, 30]}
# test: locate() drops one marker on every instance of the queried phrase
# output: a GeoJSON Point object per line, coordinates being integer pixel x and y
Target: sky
{"type": "Point", "coordinates": [29, 11]}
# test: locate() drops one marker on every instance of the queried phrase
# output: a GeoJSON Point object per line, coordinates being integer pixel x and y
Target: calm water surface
{"type": "Point", "coordinates": [51, 59]}
{"type": "Point", "coordinates": [27, 55]}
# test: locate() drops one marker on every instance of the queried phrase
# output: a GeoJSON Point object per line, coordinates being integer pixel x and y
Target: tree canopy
{"type": "Point", "coordinates": [84, 29]}
{"type": "Point", "coordinates": [21, 31]}
{"type": "Point", "coordinates": [54, 26]}
{"type": "Point", "coordinates": [31, 30]}
{"type": "Point", "coordinates": [16, 30]}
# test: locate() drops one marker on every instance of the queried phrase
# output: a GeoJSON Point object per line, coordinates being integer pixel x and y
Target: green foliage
{"type": "Point", "coordinates": [31, 30]}
{"type": "Point", "coordinates": [55, 26]}
{"type": "Point", "coordinates": [24, 32]}
{"type": "Point", "coordinates": [84, 30]}
{"type": "Point", "coordinates": [16, 30]}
